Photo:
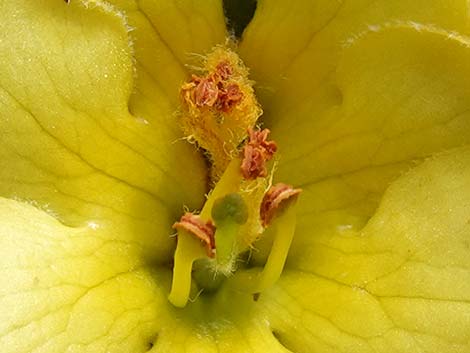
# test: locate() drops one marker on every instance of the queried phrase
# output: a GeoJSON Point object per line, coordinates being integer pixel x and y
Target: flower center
{"type": "Point", "coordinates": [219, 112]}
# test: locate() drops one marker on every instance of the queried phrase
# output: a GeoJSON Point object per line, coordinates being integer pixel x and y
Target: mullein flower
{"type": "Point", "coordinates": [316, 171]}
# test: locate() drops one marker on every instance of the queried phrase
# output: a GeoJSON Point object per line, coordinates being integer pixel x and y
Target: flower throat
{"type": "Point", "coordinates": [219, 112]}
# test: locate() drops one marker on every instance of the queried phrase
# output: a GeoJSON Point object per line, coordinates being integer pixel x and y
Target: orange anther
{"type": "Point", "coordinates": [204, 231]}
{"type": "Point", "coordinates": [256, 152]}
{"type": "Point", "coordinates": [273, 199]}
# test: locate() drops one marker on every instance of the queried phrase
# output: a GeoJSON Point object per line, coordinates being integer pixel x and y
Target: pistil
{"type": "Point", "coordinates": [229, 213]}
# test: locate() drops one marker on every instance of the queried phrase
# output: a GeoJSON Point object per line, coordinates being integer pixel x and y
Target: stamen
{"type": "Point", "coordinates": [276, 197]}
{"type": "Point", "coordinates": [219, 110]}
{"type": "Point", "coordinates": [187, 251]}
{"type": "Point", "coordinates": [259, 138]}
{"type": "Point", "coordinates": [200, 92]}
{"type": "Point", "coordinates": [282, 231]}
{"type": "Point", "coordinates": [229, 97]}
{"type": "Point", "coordinates": [256, 153]}
{"type": "Point", "coordinates": [192, 230]}
{"type": "Point", "coordinates": [224, 70]}
{"type": "Point", "coordinates": [204, 231]}
{"type": "Point", "coordinates": [206, 92]}
{"type": "Point", "coordinates": [218, 107]}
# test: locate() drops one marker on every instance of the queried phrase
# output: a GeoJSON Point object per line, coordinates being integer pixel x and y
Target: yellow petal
{"type": "Point", "coordinates": [356, 92]}
{"type": "Point", "coordinates": [402, 284]}
{"type": "Point", "coordinates": [404, 97]}
{"type": "Point", "coordinates": [292, 48]}
{"type": "Point", "coordinates": [80, 290]}
{"type": "Point", "coordinates": [71, 288]}
{"type": "Point", "coordinates": [69, 143]}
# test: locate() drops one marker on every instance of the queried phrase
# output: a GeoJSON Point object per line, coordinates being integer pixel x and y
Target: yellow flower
{"type": "Point", "coordinates": [369, 102]}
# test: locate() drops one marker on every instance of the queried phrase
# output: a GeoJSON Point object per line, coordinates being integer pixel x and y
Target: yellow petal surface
{"type": "Point", "coordinates": [402, 284]}
{"type": "Point", "coordinates": [396, 109]}
{"type": "Point", "coordinates": [370, 94]}
{"type": "Point", "coordinates": [309, 36]}
{"type": "Point", "coordinates": [66, 289]}
{"type": "Point", "coordinates": [69, 143]}
{"type": "Point", "coordinates": [356, 92]}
